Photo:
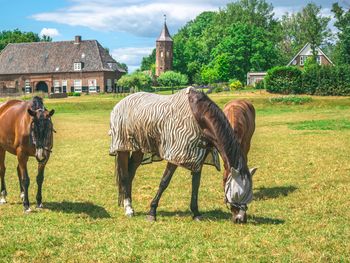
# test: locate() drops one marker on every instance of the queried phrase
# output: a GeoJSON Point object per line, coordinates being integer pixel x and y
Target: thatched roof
{"type": "Point", "coordinates": [55, 57]}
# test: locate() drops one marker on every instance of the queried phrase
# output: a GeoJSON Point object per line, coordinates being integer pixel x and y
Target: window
{"type": "Point", "coordinates": [64, 86]}
{"type": "Point", "coordinates": [77, 85]}
{"type": "Point", "coordinates": [161, 54]}
{"type": "Point", "coordinates": [109, 85]}
{"type": "Point", "coordinates": [167, 54]}
{"type": "Point", "coordinates": [56, 86]}
{"type": "Point", "coordinates": [302, 60]}
{"type": "Point", "coordinates": [77, 66]}
{"type": "Point", "coordinates": [27, 88]}
{"type": "Point", "coordinates": [318, 59]}
{"type": "Point", "coordinates": [92, 85]}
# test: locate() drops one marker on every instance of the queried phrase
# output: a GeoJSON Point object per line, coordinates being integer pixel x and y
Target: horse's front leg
{"type": "Point", "coordinates": [3, 191]}
{"type": "Point", "coordinates": [196, 179]}
{"type": "Point", "coordinates": [167, 175]}
{"type": "Point", "coordinates": [21, 190]}
{"type": "Point", "coordinates": [22, 163]}
{"type": "Point", "coordinates": [39, 181]}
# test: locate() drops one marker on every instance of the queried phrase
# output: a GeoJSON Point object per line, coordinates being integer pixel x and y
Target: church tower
{"type": "Point", "coordinates": [164, 51]}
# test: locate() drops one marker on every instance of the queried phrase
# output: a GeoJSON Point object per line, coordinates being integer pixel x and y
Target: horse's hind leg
{"type": "Point", "coordinates": [196, 179]}
{"type": "Point", "coordinates": [3, 191]}
{"type": "Point", "coordinates": [134, 162]}
{"type": "Point", "coordinates": [167, 175]}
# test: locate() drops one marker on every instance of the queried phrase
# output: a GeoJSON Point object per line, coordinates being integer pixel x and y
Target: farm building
{"type": "Point", "coordinates": [298, 60]}
{"type": "Point", "coordinates": [306, 52]}
{"type": "Point", "coordinates": [58, 67]}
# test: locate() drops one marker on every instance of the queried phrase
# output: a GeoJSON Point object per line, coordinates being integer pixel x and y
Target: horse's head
{"type": "Point", "coordinates": [239, 192]}
{"type": "Point", "coordinates": [41, 132]}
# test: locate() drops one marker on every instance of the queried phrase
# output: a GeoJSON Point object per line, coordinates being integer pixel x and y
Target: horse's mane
{"type": "Point", "coordinates": [37, 103]}
{"type": "Point", "coordinates": [224, 133]}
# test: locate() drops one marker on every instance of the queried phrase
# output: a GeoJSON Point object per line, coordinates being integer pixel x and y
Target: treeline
{"type": "Point", "coordinates": [245, 36]}
{"type": "Point", "coordinates": [18, 36]}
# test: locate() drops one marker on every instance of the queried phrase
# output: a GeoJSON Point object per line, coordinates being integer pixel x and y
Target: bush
{"type": "Point", "coordinates": [260, 85]}
{"type": "Point", "coordinates": [235, 84]}
{"type": "Point", "coordinates": [290, 100]}
{"type": "Point", "coordinates": [218, 89]}
{"type": "Point", "coordinates": [285, 80]}
{"type": "Point", "coordinates": [76, 94]}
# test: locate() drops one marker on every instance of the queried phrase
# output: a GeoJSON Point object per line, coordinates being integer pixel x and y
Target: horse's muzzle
{"type": "Point", "coordinates": [41, 154]}
{"type": "Point", "coordinates": [239, 216]}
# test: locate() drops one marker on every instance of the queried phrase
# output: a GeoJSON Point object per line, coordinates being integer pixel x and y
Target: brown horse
{"type": "Point", "coordinates": [241, 115]}
{"type": "Point", "coordinates": [25, 130]}
{"type": "Point", "coordinates": [182, 129]}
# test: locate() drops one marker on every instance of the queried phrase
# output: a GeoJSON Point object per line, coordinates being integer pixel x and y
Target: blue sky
{"type": "Point", "coordinates": [128, 28]}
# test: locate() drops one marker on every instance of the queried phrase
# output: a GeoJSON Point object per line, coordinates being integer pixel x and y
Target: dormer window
{"type": "Point", "coordinates": [302, 61]}
{"type": "Point", "coordinates": [77, 66]}
{"type": "Point", "coordinates": [111, 65]}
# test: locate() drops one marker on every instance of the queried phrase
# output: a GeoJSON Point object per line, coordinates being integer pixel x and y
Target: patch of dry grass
{"type": "Point", "coordinates": [301, 192]}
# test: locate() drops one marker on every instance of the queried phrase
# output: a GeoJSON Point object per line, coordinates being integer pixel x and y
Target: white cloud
{"type": "Point", "coordinates": [50, 32]}
{"type": "Point", "coordinates": [137, 17]}
{"type": "Point", "coordinates": [131, 56]}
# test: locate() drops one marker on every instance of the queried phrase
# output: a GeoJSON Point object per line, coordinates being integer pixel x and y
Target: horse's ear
{"type": "Point", "coordinates": [253, 170]}
{"type": "Point", "coordinates": [51, 112]}
{"type": "Point", "coordinates": [31, 112]}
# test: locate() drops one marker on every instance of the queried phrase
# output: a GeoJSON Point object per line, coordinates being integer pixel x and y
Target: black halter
{"type": "Point", "coordinates": [47, 141]}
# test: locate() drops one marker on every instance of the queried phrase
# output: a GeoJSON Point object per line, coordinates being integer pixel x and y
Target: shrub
{"type": "Point", "coordinates": [218, 89]}
{"type": "Point", "coordinates": [285, 80]}
{"type": "Point", "coordinates": [76, 94]}
{"type": "Point", "coordinates": [260, 85]}
{"type": "Point", "coordinates": [290, 100]}
{"type": "Point", "coordinates": [235, 84]}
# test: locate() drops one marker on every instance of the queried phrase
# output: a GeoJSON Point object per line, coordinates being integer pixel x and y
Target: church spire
{"type": "Point", "coordinates": [165, 35]}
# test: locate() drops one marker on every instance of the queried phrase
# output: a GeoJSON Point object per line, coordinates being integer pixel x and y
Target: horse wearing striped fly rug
{"type": "Point", "coordinates": [184, 129]}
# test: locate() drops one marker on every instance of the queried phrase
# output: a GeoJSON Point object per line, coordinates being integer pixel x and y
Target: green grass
{"type": "Point", "coordinates": [300, 210]}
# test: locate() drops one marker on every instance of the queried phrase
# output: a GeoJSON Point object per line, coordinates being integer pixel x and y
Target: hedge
{"type": "Point", "coordinates": [313, 80]}
{"type": "Point", "coordinates": [285, 80]}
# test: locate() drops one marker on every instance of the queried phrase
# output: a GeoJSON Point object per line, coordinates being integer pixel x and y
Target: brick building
{"type": "Point", "coordinates": [58, 67]}
{"type": "Point", "coordinates": [164, 51]}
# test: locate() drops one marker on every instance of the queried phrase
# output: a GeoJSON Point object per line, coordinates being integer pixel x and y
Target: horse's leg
{"type": "Point", "coordinates": [39, 181]}
{"type": "Point", "coordinates": [22, 163]}
{"type": "Point", "coordinates": [168, 173]}
{"type": "Point", "coordinates": [21, 190]}
{"type": "Point", "coordinates": [196, 179]}
{"type": "Point", "coordinates": [3, 192]}
{"type": "Point", "coordinates": [134, 163]}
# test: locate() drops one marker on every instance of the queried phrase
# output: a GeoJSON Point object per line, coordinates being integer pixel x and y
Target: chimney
{"type": "Point", "coordinates": [77, 40]}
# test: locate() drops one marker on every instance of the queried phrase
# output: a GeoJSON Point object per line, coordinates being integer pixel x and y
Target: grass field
{"type": "Point", "coordinates": [300, 211]}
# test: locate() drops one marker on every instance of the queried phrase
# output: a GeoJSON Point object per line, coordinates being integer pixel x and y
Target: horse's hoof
{"type": "Point", "coordinates": [2, 201]}
{"type": "Point", "coordinates": [27, 210]}
{"type": "Point", "coordinates": [129, 212]}
{"type": "Point", "coordinates": [151, 218]}
{"type": "Point", "coordinates": [40, 206]}
{"type": "Point", "coordinates": [198, 218]}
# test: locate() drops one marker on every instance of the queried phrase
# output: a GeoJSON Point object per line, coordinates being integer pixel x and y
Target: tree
{"type": "Point", "coordinates": [135, 82]}
{"type": "Point", "coordinates": [172, 79]}
{"type": "Point", "coordinates": [123, 66]}
{"type": "Point", "coordinates": [342, 23]}
{"type": "Point", "coordinates": [17, 36]}
{"type": "Point", "coordinates": [314, 26]}
{"type": "Point", "coordinates": [306, 26]}
{"type": "Point", "coordinates": [147, 62]}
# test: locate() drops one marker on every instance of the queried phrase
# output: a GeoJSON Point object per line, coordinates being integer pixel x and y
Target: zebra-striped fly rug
{"type": "Point", "coordinates": [162, 127]}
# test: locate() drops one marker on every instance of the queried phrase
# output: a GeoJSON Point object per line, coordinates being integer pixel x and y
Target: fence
{"type": "Point", "coordinates": [9, 92]}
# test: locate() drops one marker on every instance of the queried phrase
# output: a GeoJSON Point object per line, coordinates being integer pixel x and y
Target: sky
{"type": "Point", "coordinates": [128, 28]}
